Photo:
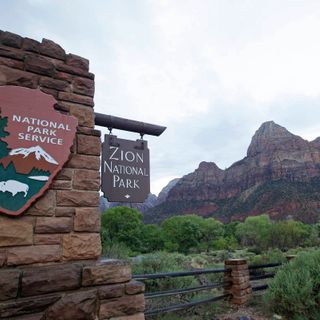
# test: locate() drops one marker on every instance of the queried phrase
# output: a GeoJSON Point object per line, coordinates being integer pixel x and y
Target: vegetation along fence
{"type": "Point", "coordinates": [258, 273]}
{"type": "Point", "coordinates": [236, 282]}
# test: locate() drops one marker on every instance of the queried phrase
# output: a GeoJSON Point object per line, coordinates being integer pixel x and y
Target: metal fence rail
{"type": "Point", "coordinates": [159, 294]}
{"type": "Point", "coordinates": [264, 266]}
{"type": "Point", "coordinates": [264, 276]}
{"type": "Point", "coordinates": [178, 307]}
{"type": "Point", "coordinates": [179, 291]}
{"type": "Point", "coordinates": [142, 277]}
{"type": "Point", "coordinates": [256, 273]}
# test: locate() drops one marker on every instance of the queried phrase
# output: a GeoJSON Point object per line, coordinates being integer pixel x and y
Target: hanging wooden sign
{"type": "Point", "coordinates": [125, 170]}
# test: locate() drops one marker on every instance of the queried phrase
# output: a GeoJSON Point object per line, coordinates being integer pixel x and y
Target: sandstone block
{"type": "Point", "coordinates": [77, 198]}
{"type": "Point", "coordinates": [83, 86]}
{"type": "Point", "coordinates": [39, 65]}
{"type": "Point", "coordinates": [111, 271]}
{"type": "Point", "coordinates": [241, 286]}
{"type": "Point", "coordinates": [30, 45]}
{"type": "Point", "coordinates": [11, 40]}
{"type": "Point", "coordinates": [11, 53]}
{"type": "Point", "coordinates": [85, 115]}
{"type": "Point", "coordinates": [63, 76]}
{"type": "Point", "coordinates": [89, 131]}
{"type": "Point", "coordinates": [113, 291]}
{"type": "Point", "coordinates": [40, 280]}
{"type": "Point", "coordinates": [51, 49]}
{"type": "Point", "coordinates": [138, 316]}
{"type": "Point", "coordinates": [238, 293]}
{"type": "Point", "coordinates": [51, 92]}
{"type": "Point", "coordinates": [26, 305]}
{"type": "Point", "coordinates": [86, 180]}
{"type": "Point", "coordinates": [87, 219]}
{"type": "Point", "coordinates": [123, 306]}
{"type": "Point", "coordinates": [11, 63]}
{"type": "Point", "coordinates": [81, 246]}
{"type": "Point", "coordinates": [3, 257]}
{"type": "Point", "coordinates": [89, 145]}
{"type": "Point", "coordinates": [45, 206]}
{"type": "Point", "coordinates": [61, 185]}
{"type": "Point", "coordinates": [77, 62]}
{"type": "Point", "coordinates": [65, 174]}
{"type": "Point", "coordinates": [34, 316]}
{"type": "Point", "coordinates": [16, 232]}
{"type": "Point", "coordinates": [50, 83]}
{"type": "Point", "coordinates": [9, 76]}
{"type": "Point", "coordinates": [64, 211]}
{"type": "Point", "coordinates": [75, 98]}
{"type": "Point", "coordinates": [235, 262]}
{"type": "Point", "coordinates": [80, 305]}
{"type": "Point", "coordinates": [135, 287]}
{"type": "Point", "coordinates": [34, 254]}
{"type": "Point", "coordinates": [9, 284]}
{"type": "Point", "coordinates": [80, 161]}
{"type": "Point", "coordinates": [53, 225]}
{"type": "Point", "coordinates": [75, 71]}
{"type": "Point", "coordinates": [239, 267]}
{"type": "Point", "coordinates": [47, 239]}
{"type": "Point", "coordinates": [239, 280]}
{"type": "Point", "coordinates": [241, 273]}
{"type": "Point", "coordinates": [240, 300]}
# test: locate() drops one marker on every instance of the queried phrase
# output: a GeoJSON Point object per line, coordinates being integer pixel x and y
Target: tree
{"type": "Point", "coordinates": [182, 233]}
{"type": "Point", "coordinates": [289, 234]}
{"type": "Point", "coordinates": [151, 237]}
{"type": "Point", "coordinates": [255, 232]}
{"type": "Point", "coordinates": [123, 224]}
{"type": "Point", "coordinates": [211, 230]}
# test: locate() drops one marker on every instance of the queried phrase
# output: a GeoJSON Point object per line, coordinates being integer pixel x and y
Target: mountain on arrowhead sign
{"type": "Point", "coordinates": [35, 142]}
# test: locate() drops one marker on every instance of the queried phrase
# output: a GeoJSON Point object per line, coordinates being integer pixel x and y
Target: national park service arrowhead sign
{"type": "Point", "coordinates": [35, 142]}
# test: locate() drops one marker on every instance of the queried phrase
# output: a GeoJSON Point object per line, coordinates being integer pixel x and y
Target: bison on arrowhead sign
{"type": "Point", "coordinates": [35, 142]}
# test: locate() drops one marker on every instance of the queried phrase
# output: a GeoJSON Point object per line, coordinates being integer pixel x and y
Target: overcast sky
{"type": "Point", "coordinates": [210, 70]}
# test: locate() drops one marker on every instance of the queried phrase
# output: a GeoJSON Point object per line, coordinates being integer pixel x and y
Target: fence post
{"type": "Point", "coordinates": [238, 276]}
{"type": "Point", "coordinates": [291, 257]}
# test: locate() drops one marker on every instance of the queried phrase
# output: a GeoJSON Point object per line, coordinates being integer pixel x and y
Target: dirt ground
{"type": "Point", "coordinates": [239, 313]}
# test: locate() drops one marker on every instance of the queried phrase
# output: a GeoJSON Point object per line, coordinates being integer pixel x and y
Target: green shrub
{"type": "Point", "coordinates": [270, 256]}
{"type": "Point", "coordinates": [112, 248]}
{"type": "Point", "coordinates": [295, 290]}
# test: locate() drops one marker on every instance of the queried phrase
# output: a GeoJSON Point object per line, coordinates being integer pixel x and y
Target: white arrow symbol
{"type": "Point", "coordinates": [127, 196]}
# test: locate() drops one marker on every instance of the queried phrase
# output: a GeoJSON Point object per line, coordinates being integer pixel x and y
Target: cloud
{"type": "Point", "coordinates": [211, 71]}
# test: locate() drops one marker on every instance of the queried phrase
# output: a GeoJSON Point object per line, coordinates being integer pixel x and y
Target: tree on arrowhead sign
{"type": "Point", "coordinates": [35, 142]}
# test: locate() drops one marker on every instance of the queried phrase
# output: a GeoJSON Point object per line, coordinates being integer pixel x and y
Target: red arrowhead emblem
{"type": "Point", "coordinates": [35, 142]}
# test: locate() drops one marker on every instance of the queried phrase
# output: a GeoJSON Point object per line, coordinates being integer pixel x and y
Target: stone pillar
{"type": "Point", "coordinates": [291, 257]}
{"type": "Point", "coordinates": [49, 256]}
{"type": "Point", "coordinates": [238, 276]}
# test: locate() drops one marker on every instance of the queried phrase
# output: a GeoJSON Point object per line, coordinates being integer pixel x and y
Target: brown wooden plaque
{"type": "Point", "coordinates": [125, 170]}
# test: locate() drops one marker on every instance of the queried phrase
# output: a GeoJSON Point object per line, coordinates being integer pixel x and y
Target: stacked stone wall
{"type": "Point", "coordinates": [71, 291]}
{"type": "Point", "coordinates": [47, 253]}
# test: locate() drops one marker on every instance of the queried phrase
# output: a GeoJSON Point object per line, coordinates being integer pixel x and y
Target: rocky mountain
{"type": "Point", "coordinates": [280, 176]}
{"type": "Point", "coordinates": [26, 159]}
{"type": "Point", "coordinates": [165, 191]}
{"type": "Point", "coordinates": [149, 203]}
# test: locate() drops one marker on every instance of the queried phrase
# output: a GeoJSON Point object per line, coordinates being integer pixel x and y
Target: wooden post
{"type": "Point", "coordinates": [238, 276]}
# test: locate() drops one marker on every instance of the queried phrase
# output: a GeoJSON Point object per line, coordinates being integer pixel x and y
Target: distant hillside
{"type": "Point", "coordinates": [280, 175]}
{"type": "Point", "coordinates": [151, 201]}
